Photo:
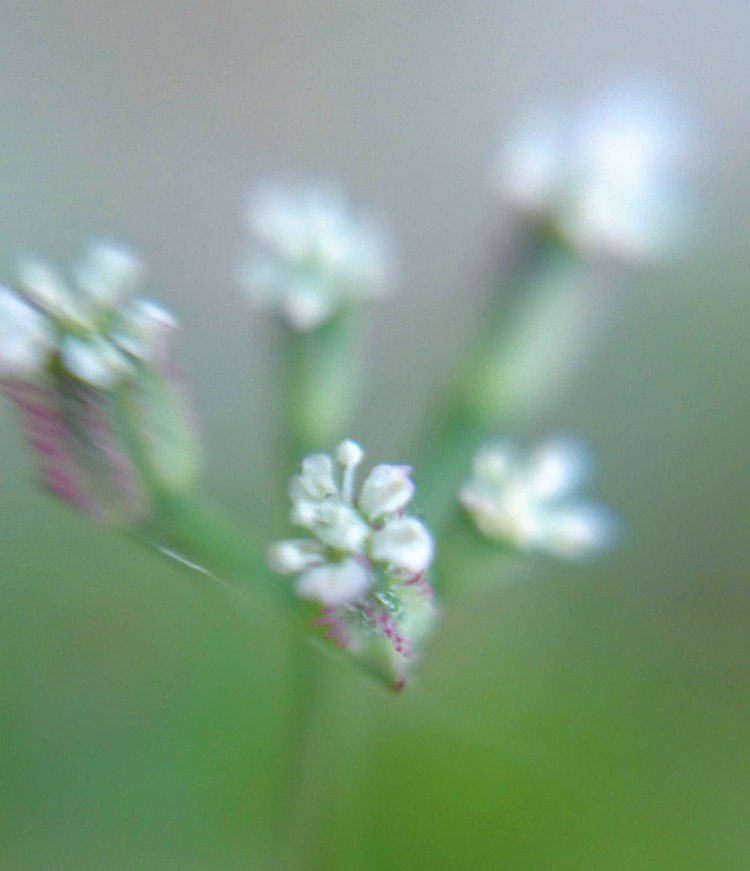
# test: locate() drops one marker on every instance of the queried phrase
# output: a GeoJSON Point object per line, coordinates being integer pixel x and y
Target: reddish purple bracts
{"type": "Point", "coordinates": [79, 457]}
{"type": "Point", "coordinates": [46, 432]}
{"type": "Point", "coordinates": [390, 627]}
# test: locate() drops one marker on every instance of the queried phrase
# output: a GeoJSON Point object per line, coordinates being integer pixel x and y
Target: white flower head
{"type": "Point", "coordinates": [528, 500]}
{"type": "Point", "coordinates": [96, 331]}
{"type": "Point", "coordinates": [65, 349]}
{"type": "Point", "coordinates": [361, 544]}
{"type": "Point", "coordinates": [313, 253]}
{"type": "Point", "coordinates": [610, 178]}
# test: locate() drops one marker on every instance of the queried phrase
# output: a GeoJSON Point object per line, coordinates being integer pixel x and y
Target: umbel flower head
{"type": "Point", "coordinates": [366, 561]}
{"type": "Point", "coordinates": [313, 253]}
{"type": "Point", "coordinates": [528, 500]}
{"type": "Point", "coordinates": [92, 375]}
{"type": "Point", "coordinates": [608, 179]}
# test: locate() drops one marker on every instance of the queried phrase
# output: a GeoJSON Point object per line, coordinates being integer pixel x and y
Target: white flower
{"type": "Point", "coordinates": [65, 347]}
{"type": "Point", "coordinates": [359, 545]}
{"type": "Point", "coordinates": [313, 253]}
{"type": "Point", "coordinates": [529, 500]}
{"type": "Point", "coordinates": [609, 177]}
{"type": "Point", "coordinates": [96, 331]}
{"type": "Point", "coordinates": [26, 338]}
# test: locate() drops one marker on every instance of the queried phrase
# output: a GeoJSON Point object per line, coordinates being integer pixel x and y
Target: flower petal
{"type": "Point", "coordinates": [25, 336]}
{"type": "Point", "coordinates": [335, 584]}
{"type": "Point", "coordinates": [108, 272]}
{"type": "Point", "coordinates": [577, 531]}
{"type": "Point", "coordinates": [46, 289]}
{"type": "Point", "coordinates": [557, 467]}
{"type": "Point", "coordinates": [294, 555]}
{"type": "Point", "coordinates": [316, 481]}
{"type": "Point", "coordinates": [144, 329]}
{"type": "Point", "coordinates": [97, 361]}
{"type": "Point", "coordinates": [386, 490]}
{"type": "Point", "coordinates": [340, 527]}
{"type": "Point", "coordinates": [405, 543]}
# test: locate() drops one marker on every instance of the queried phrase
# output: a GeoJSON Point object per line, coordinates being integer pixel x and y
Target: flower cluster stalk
{"type": "Point", "coordinates": [530, 342]}
{"type": "Point", "coordinates": [319, 384]}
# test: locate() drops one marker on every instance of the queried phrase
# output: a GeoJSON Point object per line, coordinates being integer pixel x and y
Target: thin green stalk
{"type": "Point", "coordinates": [527, 344]}
{"type": "Point", "coordinates": [184, 529]}
{"type": "Point", "coordinates": [320, 379]}
{"type": "Point", "coordinates": [329, 811]}
{"type": "Point", "coordinates": [320, 375]}
{"type": "Point", "coordinates": [468, 560]}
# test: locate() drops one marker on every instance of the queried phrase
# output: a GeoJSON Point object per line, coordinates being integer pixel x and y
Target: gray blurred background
{"type": "Point", "coordinates": [586, 719]}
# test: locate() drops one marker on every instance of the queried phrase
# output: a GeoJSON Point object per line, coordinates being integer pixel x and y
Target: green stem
{"type": "Point", "coordinates": [528, 345]}
{"type": "Point", "coordinates": [320, 380]}
{"type": "Point", "coordinates": [186, 530]}
{"type": "Point", "coordinates": [303, 691]}
{"type": "Point", "coordinates": [189, 528]}
{"type": "Point", "coordinates": [320, 376]}
{"type": "Point", "coordinates": [467, 559]}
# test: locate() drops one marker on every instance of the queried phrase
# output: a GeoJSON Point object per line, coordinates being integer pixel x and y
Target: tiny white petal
{"type": "Point", "coordinates": [304, 511]}
{"type": "Point", "coordinates": [335, 584]}
{"type": "Point", "coordinates": [577, 531]}
{"type": "Point", "coordinates": [405, 543]}
{"type": "Point", "coordinates": [495, 461]}
{"type": "Point", "coordinates": [294, 555]}
{"type": "Point", "coordinates": [530, 167]}
{"type": "Point", "coordinates": [556, 467]}
{"type": "Point", "coordinates": [386, 490]}
{"type": "Point", "coordinates": [46, 289]}
{"type": "Point", "coordinates": [95, 361]}
{"type": "Point", "coordinates": [340, 527]}
{"type": "Point", "coordinates": [144, 328]}
{"type": "Point", "coordinates": [316, 480]}
{"type": "Point", "coordinates": [108, 272]}
{"type": "Point", "coordinates": [25, 336]}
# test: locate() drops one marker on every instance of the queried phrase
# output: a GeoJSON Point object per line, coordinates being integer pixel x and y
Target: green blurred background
{"type": "Point", "coordinates": [583, 718]}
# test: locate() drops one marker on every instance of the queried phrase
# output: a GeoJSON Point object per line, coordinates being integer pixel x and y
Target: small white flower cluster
{"type": "Point", "coordinates": [313, 253]}
{"type": "Point", "coordinates": [529, 502]}
{"type": "Point", "coordinates": [358, 546]}
{"type": "Point", "coordinates": [91, 327]}
{"type": "Point", "coordinates": [609, 178]}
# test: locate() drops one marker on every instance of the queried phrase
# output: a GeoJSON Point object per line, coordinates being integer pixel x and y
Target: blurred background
{"type": "Point", "coordinates": [585, 718]}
